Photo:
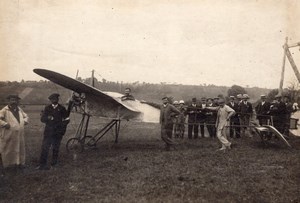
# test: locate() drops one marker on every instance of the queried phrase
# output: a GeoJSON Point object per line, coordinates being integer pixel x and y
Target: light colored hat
{"type": "Point", "coordinates": [246, 96]}
{"type": "Point", "coordinates": [278, 96]}
{"type": "Point", "coordinates": [181, 102]}
{"type": "Point", "coordinates": [263, 96]}
{"type": "Point", "coordinates": [221, 101]}
{"type": "Point", "coordinates": [175, 102]}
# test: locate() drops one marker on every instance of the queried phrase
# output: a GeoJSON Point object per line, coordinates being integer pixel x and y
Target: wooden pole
{"type": "Point", "coordinates": [285, 46]}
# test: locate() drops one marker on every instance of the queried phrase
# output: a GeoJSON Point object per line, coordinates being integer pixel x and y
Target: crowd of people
{"type": "Point", "coordinates": [207, 113]}
{"type": "Point", "coordinates": [210, 113]}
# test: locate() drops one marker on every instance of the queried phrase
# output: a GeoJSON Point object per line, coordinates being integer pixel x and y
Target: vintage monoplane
{"type": "Point", "coordinates": [90, 101]}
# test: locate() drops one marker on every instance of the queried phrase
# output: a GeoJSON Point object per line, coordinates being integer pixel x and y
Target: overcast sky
{"type": "Point", "coordinates": [189, 42]}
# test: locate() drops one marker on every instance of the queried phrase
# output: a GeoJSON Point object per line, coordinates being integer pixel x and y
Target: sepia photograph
{"type": "Point", "coordinates": [150, 101]}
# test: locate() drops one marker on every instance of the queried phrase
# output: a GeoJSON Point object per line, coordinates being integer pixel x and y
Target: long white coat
{"type": "Point", "coordinates": [12, 145]}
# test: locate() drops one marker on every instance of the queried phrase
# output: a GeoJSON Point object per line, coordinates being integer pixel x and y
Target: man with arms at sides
{"type": "Point", "coordinates": [278, 112]}
{"type": "Point", "coordinates": [211, 118]}
{"type": "Point", "coordinates": [202, 116]}
{"type": "Point", "coordinates": [55, 116]}
{"type": "Point", "coordinates": [181, 119]}
{"type": "Point", "coordinates": [167, 112]}
{"type": "Point", "coordinates": [262, 111]}
{"type": "Point", "coordinates": [245, 110]}
{"type": "Point", "coordinates": [193, 115]}
{"type": "Point", "coordinates": [224, 113]}
{"type": "Point", "coordinates": [234, 121]}
{"type": "Point", "coordinates": [289, 111]}
{"type": "Point", "coordinates": [128, 95]}
{"type": "Point", "coordinates": [12, 144]}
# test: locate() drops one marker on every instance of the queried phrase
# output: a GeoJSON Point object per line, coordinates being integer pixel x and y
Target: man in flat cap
{"type": "Point", "coordinates": [128, 95]}
{"type": "Point", "coordinates": [12, 144]}
{"type": "Point", "coordinates": [167, 112]}
{"type": "Point", "coordinates": [202, 116]}
{"type": "Point", "coordinates": [289, 111]}
{"type": "Point", "coordinates": [211, 117]}
{"type": "Point", "coordinates": [54, 116]}
{"type": "Point", "coordinates": [245, 111]}
{"type": "Point", "coordinates": [262, 110]}
{"type": "Point", "coordinates": [278, 112]}
{"type": "Point", "coordinates": [224, 113]}
{"type": "Point", "coordinates": [234, 121]}
{"type": "Point", "coordinates": [193, 119]}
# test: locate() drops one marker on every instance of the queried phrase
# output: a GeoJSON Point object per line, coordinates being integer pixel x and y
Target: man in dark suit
{"type": "Point", "coordinates": [202, 116]}
{"type": "Point", "coordinates": [289, 111]}
{"type": "Point", "coordinates": [278, 112]}
{"type": "Point", "coordinates": [234, 120]}
{"type": "Point", "coordinates": [167, 113]}
{"type": "Point", "coordinates": [211, 118]}
{"type": "Point", "coordinates": [55, 116]}
{"type": "Point", "coordinates": [193, 123]}
{"type": "Point", "coordinates": [262, 111]}
{"type": "Point", "coordinates": [245, 110]}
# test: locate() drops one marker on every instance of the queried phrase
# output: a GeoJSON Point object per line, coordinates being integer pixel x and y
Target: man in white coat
{"type": "Point", "coordinates": [223, 117]}
{"type": "Point", "coordinates": [12, 122]}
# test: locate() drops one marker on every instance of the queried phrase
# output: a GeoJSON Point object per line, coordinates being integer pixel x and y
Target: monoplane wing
{"type": "Point", "coordinates": [105, 104]}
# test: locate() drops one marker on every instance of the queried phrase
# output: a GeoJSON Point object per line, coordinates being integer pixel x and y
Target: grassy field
{"type": "Point", "coordinates": [137, 169]}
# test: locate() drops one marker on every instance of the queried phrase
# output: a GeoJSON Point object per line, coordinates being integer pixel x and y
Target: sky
{"type": "Point", "coordinates": [220, 42]}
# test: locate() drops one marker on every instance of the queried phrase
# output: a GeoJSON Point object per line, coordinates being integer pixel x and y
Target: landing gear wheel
{"type": "Point", "coordinates": [90, 141]}
{"type": "Point", "coordinates": [74, 145]}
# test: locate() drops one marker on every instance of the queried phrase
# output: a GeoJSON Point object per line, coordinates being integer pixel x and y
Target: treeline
{"type": "Point", "coordinates": [141, 90]}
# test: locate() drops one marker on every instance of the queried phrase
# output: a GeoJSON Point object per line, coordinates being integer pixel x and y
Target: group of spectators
{"type": "Point", "coordinates": [206, 113]}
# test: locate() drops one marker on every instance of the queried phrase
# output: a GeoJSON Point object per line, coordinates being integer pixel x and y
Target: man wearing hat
{"type": "Point", "coordinates": [234, 121]}
{"type": "Point", "coordinates": [278, 112]}
{"type": "Point", "coordinates": [262, 111]}
{"type": "Point", "coordinates": [167, 112]}
{"type": "Point", "coordinates": [224, 113]}
{"type": "Point", "coordinates": [193, 111]}
{"type": "Point", "coordinates": [54, 116]}
{"type": "Point", "coordinates": [202, 116]}
{"type": "Point", "coordinates": [12, 145]}
{"type": "Point", "coordinates": [245, 111]}
{"type": "Point", "coordinates": [128, 95]}
{"type": "Point", "coordinates": [289, 111]}
{"type": "Point", "coordinates": [211, 118]}
{"type": "Point", "coordinates": [216, 101]}
{"type": "Point", "coordinates": [181, 119]}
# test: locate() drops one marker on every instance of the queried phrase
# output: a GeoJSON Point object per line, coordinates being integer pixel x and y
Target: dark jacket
{"type": "Point", "coordinates": [262, 110]}
{"type": "Point", "coordinates": [54, 120]}
{"type": "Point", "coordinates": [167, 113]}
{"type": "Point", "coordinates": [236, 108]}
{"type": "Point", "coordinates": [193, 113]}
{"type": "Point", "coordinates": [211, 115]}
{"type": "Point", "coordinates": [245, 109]}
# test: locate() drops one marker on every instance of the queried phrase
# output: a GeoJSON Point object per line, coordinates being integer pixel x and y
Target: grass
{"type": "Point", "coordinates": [137, 169]}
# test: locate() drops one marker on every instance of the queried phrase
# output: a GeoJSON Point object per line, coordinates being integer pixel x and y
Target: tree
{"type": "Point", "coordinates": [272, 94]}
{"type": "Point", "coordinates": [235, 90]}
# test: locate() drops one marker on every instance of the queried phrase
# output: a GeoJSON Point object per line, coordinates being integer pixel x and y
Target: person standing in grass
{"type": "Point", "coordinates": [167, 112]}
{"type": "Point", "coordinates": [12, 144]}
{"type": "Point", "coordinates": [223, 117]}
{"type": "Point", "coordinates": [55, 116]}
